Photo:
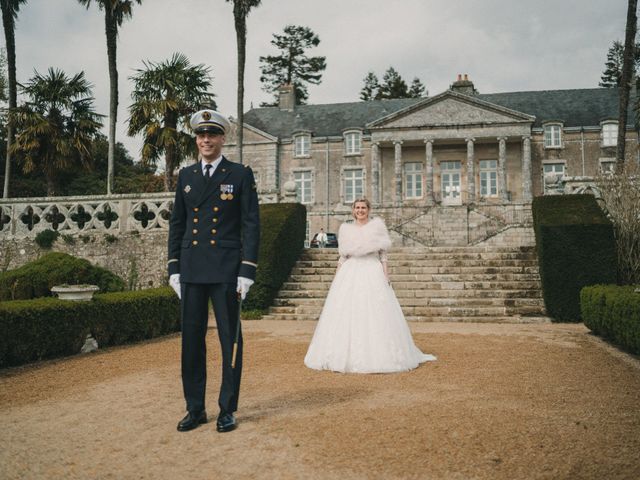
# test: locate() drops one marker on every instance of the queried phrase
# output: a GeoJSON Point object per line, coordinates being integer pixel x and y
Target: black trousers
{"type": "Point", "coordinates": [195, 309]}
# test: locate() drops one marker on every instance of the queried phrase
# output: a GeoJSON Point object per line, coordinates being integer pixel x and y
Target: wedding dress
{"type": "Point", "coordinates": [362, 328]}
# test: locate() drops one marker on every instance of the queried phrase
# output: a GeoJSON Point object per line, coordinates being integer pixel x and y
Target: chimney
{"type": "Point", "coordinates": [287, 97]}
{"type": "Point", "coordinates": [463, 85]}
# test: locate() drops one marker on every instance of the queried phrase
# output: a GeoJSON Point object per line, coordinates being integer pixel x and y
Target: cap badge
{"type": "Point", "coordinates": [206, 116]}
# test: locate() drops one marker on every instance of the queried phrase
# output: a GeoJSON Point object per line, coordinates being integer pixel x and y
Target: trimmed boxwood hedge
{"type": "Point", "coordinates": [48, 327]}
{"type": "Point", "coordinates": [576, 248]}
{"type": "Point", "coordinates": [613, 312]}
{"type": "Point", "coordinates": [282, 234]}
{"type": "Point", "coordinates": [35, 279]}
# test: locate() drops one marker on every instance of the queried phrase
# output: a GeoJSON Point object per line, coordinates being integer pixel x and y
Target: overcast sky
{"type": "Point", "coordinates": [503, 45]}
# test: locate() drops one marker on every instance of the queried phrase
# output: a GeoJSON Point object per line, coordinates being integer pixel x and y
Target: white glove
{"type": "Point", "coordinates": [174, 282]}
{"type": "Point", "coordinates": [243, 286]}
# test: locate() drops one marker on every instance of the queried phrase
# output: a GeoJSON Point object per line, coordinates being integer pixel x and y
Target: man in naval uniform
{"type": "Point", "coordinates": [213, 253]}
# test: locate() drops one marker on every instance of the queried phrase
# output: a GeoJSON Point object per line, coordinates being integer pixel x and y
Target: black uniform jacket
{"type": "Point", "coordinates": [214, 232]}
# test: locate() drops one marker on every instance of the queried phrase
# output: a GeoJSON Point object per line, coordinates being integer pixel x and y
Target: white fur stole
{"type": "Point", "coordinates": [355, 240]}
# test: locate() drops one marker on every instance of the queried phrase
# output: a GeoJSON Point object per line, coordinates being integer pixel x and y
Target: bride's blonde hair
{"type": "Point", "coordinates": [360, 200]}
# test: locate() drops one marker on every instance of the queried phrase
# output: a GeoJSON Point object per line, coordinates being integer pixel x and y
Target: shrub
{"type": "Point", "coordinates": [36, 278]}
{"type": "Point", "coordinates": [575, 245]}
{"type": "Point", "coordinates": [49, 327]}
{"type": "Point", "coordinates": [613, 312]}
{"type": "Point", "coordinates": [46, 238]}
{"type": "Point", "coordinates": [282, 234]}
{"type": "Point", "coordinates": [41, 328]}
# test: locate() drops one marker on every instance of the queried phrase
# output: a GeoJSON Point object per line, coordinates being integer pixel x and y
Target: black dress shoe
{"type": "Point", "coordinates": [226, 422]}
{"type": "Point", "coordinates": [191, 421]}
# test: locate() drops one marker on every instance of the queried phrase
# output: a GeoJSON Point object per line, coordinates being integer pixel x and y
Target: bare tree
{"type": "Point", "coordinates": [619, 194]}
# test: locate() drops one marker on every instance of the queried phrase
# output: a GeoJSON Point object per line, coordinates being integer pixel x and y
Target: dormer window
{"type": "Point", "coordinates": [609, 134]}
{"type": "Point", "coordinates": [553, 135]}
{"type": "Point", "coordinates": [352, 143]}
{"type": "Point", "coordinates": [302, 145]}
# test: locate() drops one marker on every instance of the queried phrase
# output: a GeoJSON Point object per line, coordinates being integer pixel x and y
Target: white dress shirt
{"type": "Point", "coordinates": [213, 164]}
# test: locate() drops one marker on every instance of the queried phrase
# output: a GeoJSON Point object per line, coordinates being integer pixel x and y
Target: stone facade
{"type": "Point", "coordinates": [455, 149]}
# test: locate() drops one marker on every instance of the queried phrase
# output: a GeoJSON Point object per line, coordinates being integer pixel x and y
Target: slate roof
{"type": "Point", "coordinates": [583, 107]}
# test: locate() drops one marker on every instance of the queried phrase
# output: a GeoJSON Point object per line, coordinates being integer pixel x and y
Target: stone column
{"type": "Point", "coordinates": [429, 171]}
{"type": "Point", "coordinates": [471, 177]}
{"type": "Point", "coordinates": [526, 168]}
{"type": "Point", "coordinates": [502, 169]}
{"type": "Point", "coordinates": [375, 174]}
{"type": "Point", "coordinates": [398, 171]}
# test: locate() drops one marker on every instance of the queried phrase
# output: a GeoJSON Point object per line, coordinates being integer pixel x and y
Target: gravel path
{"type": "Point", "coordinates": [502, 402]}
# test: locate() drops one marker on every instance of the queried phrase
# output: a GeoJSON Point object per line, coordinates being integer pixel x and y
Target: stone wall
{"type": "Point", "coordinates": [140, 259]}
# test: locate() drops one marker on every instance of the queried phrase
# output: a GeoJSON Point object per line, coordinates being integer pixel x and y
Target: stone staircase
{"type": "Point", "coordinates": [455, 284]}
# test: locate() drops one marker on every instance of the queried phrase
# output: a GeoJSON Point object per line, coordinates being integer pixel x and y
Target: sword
{"type": "Point", "coordinates": [237, 339]}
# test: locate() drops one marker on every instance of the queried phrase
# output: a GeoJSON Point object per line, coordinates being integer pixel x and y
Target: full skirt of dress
{"type": "Point", "coordinates": [362, 328]}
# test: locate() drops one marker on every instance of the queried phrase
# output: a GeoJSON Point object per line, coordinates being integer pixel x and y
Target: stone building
{"type": "Point", "coordinates": [441, 156]}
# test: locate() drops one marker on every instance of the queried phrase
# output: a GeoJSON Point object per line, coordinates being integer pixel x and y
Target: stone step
{"type": "Point", "coordinates": [319, 288]}
{"type": "Point", "coordinates": [513, 297]}
{"type": "Point", "coordinates": [421, 251]}
{"type": "Point", "coordinates": [430, 260]}
{"type": "Point", "coordinates": [441, 248]}
{"type": "Point", "coordinates": [428, 277]}
{"type": "Point", "coordinates": [466, 284]}
{"type": "Point", "coordinates": [430, 308]}
{"type": "Point", "coordinates": [528, 267]}
{"type": "Point", "coordinates": [448, 318]}
{"type": "Point", "coordinates": [427, 310]}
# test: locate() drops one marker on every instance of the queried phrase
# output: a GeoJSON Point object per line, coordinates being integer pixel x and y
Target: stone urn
{"type": "Point", "coordinates": [75, 292]}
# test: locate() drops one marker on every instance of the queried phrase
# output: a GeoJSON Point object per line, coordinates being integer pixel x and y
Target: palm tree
{"type": "Point", "coordinates": [625, 80]}
{"type": "Point", "coordinates": [10, 10]}
{"type": "Point", "coordinates": [165, 95]}
{"type": "Point", "coordinates": [115, 12]}
{"type": "Point", "coordinates": [57, 125]}
{"type": "Point", "coordinates": [241, 10]}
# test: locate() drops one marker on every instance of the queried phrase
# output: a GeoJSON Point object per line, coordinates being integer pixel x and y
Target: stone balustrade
{"type": "Point", "coordinates": [114, 214]}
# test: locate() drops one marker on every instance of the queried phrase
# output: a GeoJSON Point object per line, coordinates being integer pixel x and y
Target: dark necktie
{"type": "Point", "coordinates": [207, 173]}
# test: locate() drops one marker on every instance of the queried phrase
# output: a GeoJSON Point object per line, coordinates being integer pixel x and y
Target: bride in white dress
{"type": "Point", "coordinates": [362, 328]}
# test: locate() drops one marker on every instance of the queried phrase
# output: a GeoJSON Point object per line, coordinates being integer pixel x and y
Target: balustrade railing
{"type": "Point", "coordinates": [26, 217]}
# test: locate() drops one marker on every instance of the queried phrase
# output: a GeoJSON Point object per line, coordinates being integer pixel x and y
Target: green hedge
{"type": "Point", "coordinates": [48, 327]}
{"type": "Point", "coordinates": [576, 248]}
{"type": "Point", "coordinates": [282, 233]}
{"type": "Point", "coordinates": [35, 279]}
{"type": "Point", "coordinates": [613, 312]}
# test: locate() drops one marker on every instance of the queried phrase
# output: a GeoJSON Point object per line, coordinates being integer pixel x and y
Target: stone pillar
{"type": "Point", "coordinates": [502, 169]}
{"type": "Point", "coordinates": [526, 169]}
{"type": "Point", "coordinates": [471, 176]}
{"type": "Point", "coordinates": [429, 171]}
{"type": "Point", "coordinates": [398, 171]}
{"type": "Point", "coordinates": [375, 174]}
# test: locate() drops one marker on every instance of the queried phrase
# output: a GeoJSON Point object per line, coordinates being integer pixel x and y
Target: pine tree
{"type": "Point", "coordinates": [613, 66]}
{"type": "Point", "coordinates": [393, 86]}
{"type": "Point", "coordinates": [417, 89]}
{"type": "Point", "coordinates": [370, 89]}
{"type": "Point", "coordinates": [292, 66]}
